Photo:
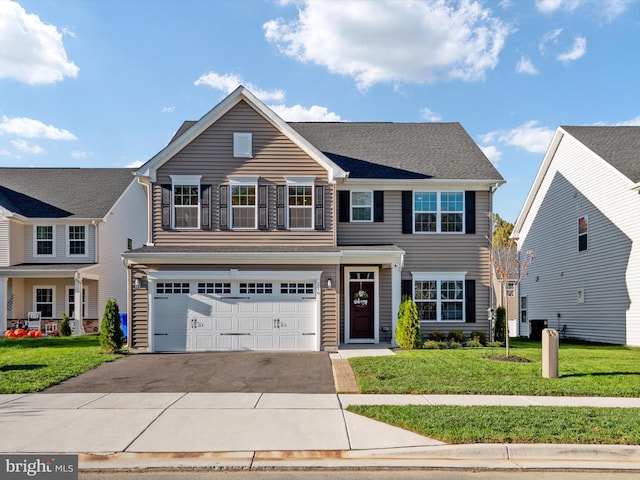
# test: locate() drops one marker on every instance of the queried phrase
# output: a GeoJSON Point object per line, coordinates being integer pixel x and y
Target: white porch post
{"type": "Point", "coordinates": [77, 301]}
{"type": "Point", "coordinates": [4, 310]}
{"type": "Point", "coordinates": [396, 297]}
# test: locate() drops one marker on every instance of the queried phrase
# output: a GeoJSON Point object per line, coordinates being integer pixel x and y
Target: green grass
{"type": "Point", "coordinates": [584, 370]}
{"type": "Point", "coordinates": [616, 426]}
{"type": "Point", "coordinates": [33, 364]}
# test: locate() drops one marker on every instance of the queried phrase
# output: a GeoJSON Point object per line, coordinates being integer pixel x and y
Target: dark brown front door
{"type": "Point", "coordinates": [361, 310]}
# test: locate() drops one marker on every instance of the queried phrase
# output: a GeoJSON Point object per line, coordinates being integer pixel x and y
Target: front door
{"type": "Point", "coordinates": [361, 310]}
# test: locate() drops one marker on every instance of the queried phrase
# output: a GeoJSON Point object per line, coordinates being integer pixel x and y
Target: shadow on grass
{"type": "Point", "coordinates": [11, 368]}
{"type": "Point", "coordinates": [51, 342]}
{"type": "Point", "coordinates": [600, 374]}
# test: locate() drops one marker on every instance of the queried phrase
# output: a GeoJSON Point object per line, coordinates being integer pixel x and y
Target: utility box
{"type": "Point", "coordinates": [550, 346]}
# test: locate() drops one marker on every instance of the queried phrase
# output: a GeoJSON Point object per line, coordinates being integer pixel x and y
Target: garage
{"type": "Point", "coordinates": [234, 314]}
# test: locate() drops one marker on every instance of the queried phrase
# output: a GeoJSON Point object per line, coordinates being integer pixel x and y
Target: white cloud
{"type": "Point", "coordinates": [528, 136]}
{"type": "Point", "coordinates": [134, 164]}
{"type": "Point", "coordinates": [168, 109]}
{"type": "Point", "coordinates": [549, 37]}
{"type": "Point", "coordinates": [492, 153]}
{"type": "Point", "coordinates": [227, 83]}
{"type": "Point", "coordinates": [634, 122]}
{"type": "Point", "coordinates": [5, 153]}
{"type": "Point", "coordinates": [298, 113]}
{"type": "Point", "coordinates": [36, 54]}
{"type": "Point", "coordinates": [526, 66]}
{"type": "Point", "coordinates": [26, 147]}
{"type": "Point", "coordinates": [610, 9]}
{"type": "Point", "coordinates": [578, 49]}
{"type": "Point", "coordinates": [30, 128]}
{"type": "Point", "coordinates": [429, 115]}
{"type": "Point", "coordinates": [79, 154]}
{"type": "Point", "coordinates": [391, 41]}
{"type": "Point", "coordinates": [550, 6]}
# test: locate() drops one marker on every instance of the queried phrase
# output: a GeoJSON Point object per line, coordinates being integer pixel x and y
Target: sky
{"type": "Point", "coordinates": [106, 83]}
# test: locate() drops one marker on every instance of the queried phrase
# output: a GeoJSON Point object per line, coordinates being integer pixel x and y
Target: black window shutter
{"type": "Point", "coordinates": [406, 288]}
{"type": "Point", "coordinates": [470, 211]}
{"type": "Point", "coordinates": [407, 211]}
{"type": "Point", "coordinates": [224, 207]}
{"type": "Point", "coordinates": [470, 301]}
{"type": "Point", "coordinates": [165, 206]}
{"type": "Point", "coordinates": [281, 207]}
{"type": "Point", "coordinates": [378, 206]}
{"type": "Point", "coordinates": [319, 200]}
{"type": "Point", "coordinates": [344, 205]}
{"type": "Point", "coordinates": [205, 207]}
{"type": "Point", "coordinates": [263, 207]}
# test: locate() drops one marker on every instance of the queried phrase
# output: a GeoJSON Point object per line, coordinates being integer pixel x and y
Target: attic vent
{"type": "Point", "coordinates": [242, 146]}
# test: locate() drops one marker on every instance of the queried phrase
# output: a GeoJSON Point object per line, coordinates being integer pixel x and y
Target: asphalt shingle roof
{"type": "Point", "coordinates": [620, 146]}
{"type": "Point", "coordinates": [62, 192]}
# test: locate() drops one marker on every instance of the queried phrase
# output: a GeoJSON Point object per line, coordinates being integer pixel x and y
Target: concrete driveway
{"type": "Point", "coordinates": [252, 372]}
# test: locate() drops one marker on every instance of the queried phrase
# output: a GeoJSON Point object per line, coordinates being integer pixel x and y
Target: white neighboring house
{"type": "Point", "coordinates": [581, 218]}
{"type": "Point", "coordinates": [62, 231]}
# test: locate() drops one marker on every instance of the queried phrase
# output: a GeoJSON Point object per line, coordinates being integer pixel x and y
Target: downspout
{"type": "Point", "coordinates": [145, 182]}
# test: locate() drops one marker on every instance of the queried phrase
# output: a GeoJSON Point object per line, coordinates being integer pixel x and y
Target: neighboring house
{"type": "Point", "coordinates": [267, 235]}
{"type": "Point", "coordinates": [62, 232]}
{"type": "Point", "coordinates": [506, 289]}
{"type": "Point", "coordinates": [581, 221]}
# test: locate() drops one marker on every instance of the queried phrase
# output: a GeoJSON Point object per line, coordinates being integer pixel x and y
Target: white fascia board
{"type": "Point", "coordinates": [408, 184]}
{"type": "Point", "coordinates": [369, 257]}
{"type": "Point", "coordinates": [235, 274]}
{"type": "Point", "coordinates": [226, 258]}
{"type": "Point", "coordinates": [240, 93]}
{"type": "Point", "coordinates": [62, 273]}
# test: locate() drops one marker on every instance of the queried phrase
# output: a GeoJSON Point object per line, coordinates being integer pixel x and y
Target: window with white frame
{"type": "Point", "coordinates": [77, 240]}
{"type": "Point", "coordinates": [439, 297]}
{"type": "Point", "coordinates": [44, 298]}
{"type": "Point", "coordinates": [300, 203]}
{"type": "Point", "coordinates": [583, 230]}
{"type": "Point", "coordinates": [45, 240]}
{"type": "Point", "coordinates": [511, 288]}
{"type": "Point", "coordinates": [186, 201]}
{"type": "Point", "coordinates": [438, 212]}
{"type": "Point", "coordinates": [243, 205]}
{"type": "Point", "coordinates": [71, 302]}
{"type": "Point", "coordinates": [361, 206]}
{"type": "Point", "coordinates": [523, 309]}
{"type": "Point", "coordinates": [242, 145]}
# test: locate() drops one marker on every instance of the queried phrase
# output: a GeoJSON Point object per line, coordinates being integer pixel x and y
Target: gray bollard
{"type": "Point", "coordinates": [550, 344]}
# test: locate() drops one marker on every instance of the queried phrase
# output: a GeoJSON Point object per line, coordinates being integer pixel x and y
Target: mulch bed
{"type": "Point", "coordinates": [509, 358]}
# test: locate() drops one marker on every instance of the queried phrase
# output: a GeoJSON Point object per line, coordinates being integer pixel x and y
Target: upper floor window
{"type": "Point", "coordinates": [77, 238]}
{"type": "Point", "coordinates": [300, 202]}
{"type": "Point", "coordinates": [45, 240]}
{"type": "Point", "coordinates": [511, 288]}
{"type": "Point", "coordinates": [439, 298]}
{"type": "Point", "coordinates": [186, 201]}
{"type": "Point", "coordinates": [583, 229]}
{"type": "Point", "coordinates": [361, 206]}
{"type": "Point", "coordinates": [438, 212]}
{"type": "Point", "coordinates": [243, 206]}
{"type": "Point", "coordinates": [242, 145]}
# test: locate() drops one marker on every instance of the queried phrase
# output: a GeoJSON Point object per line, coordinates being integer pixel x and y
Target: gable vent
{"type": "Point", "coordinates": [242, 145]}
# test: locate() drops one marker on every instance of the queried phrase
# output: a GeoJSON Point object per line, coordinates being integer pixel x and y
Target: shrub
{"type": "Point", "coordinates": [456, 336]}
{"type": "Point", "coordinates": [435, 345]}
{"type": "Point", "coordinates": [408, 331]}
{"type": "Point", "coordinates": [111, 337]}
{"type": "Point", "coordinates": [482, 337]}
{"type": "Point", "coordinates": [454, 345]}
{"type": "Point", "coordinates": [65, 327]}
{"type": "Point", "coordinates": [437, 336]}
{"type": "Point", "coordinates": [500, 326]}
{"type": "Point", "coordinates": [473, 343]}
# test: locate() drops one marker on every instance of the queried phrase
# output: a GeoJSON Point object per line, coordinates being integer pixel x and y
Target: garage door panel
{"type": "Point", "coordinates": [223, 323]}
{"type": "Point", "coordinates": [246, 324]}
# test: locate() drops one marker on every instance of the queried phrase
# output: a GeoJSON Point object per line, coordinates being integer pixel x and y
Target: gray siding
{"type": "Point", "coordinates": [60, 245]}
{"type": "Point", "coordinates": [4, 242]}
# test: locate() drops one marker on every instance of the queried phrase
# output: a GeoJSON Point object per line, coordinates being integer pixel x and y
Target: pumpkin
{"type": "Point", "coordinates": [19, 332]}
{"type": "Point", "coordinates": [37, 334]}
{"type": "Point", "coordinates": [9, 334]}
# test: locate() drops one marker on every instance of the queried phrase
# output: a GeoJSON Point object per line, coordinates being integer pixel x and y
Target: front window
{"type": "Point", "coordinates": [583, 228]}
{"type": "Point", "coordinates": [44, 297]}
{"type": "Point", "coordinates": [438, 212]}
{"type": "Point", "coordinates": [300, 198]}
{"type": "Point", "coordinates": [186, 202]}
{"type": "Point", "coordinates": [243, 206]}
{"type": "Point", "coordinates": [439, 299]}
{"type": "Point", "coordinates": [71, 302]}
{"type": "Point", "coordinates": [44, 240]}
{"type": "Point", "coordinates": [361, 206]}
{"type": "Point", "coordinates": [77, 235]}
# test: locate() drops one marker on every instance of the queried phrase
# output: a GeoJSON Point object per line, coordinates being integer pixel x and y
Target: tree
{"type": "Point", "coordinates": [408, 331]}
{"type": "Point", "coordinates": [65, 328]}
{"type": "Point", "coordinates": [111, 336]}
{"type": "Point", "coordinates": [501, 231]}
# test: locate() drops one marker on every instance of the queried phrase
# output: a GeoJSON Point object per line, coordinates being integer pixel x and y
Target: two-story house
{"type": "Point", "coordinates": [62, 232]}
{"type": "Point", "coordinates": [581, 221]}
{"type": "Point", "coordinates": [267, 235]}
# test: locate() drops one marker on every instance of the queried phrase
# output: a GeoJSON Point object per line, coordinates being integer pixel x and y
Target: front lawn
{"type": "Point", "coordinates": [584, 370]}
{"type": "Point", "coordinates": [33, 364]}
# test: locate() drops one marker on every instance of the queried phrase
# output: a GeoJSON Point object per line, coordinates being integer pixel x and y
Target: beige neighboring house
{"type": "Point", "coordinates": [506, 292]}
{"type": "Point", "coordinates": [268, 235]}
{"type": "Point", "coordinates": [62, 232]}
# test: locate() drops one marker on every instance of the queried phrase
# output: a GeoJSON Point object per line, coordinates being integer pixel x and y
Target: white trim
{"type": "Point", "coordinates": [66, 300]}
{"type": "Point", "coordinates": [440, 277]}
{"type": "Point", "coordinates": [243, 182]}
{"type": "Point", "coordinates": [376, 306]}
{"type": "Point", "coordinates": [438, 211]}
{"type": "Point", "coordinates": [301, 182]}
{"type": "Point", "coordinates": [86, 242]}
{"type": "Point", "coordinates": [351, 206]}
{"type": "Point", "coordinates": [242, 145]}
{"type": "Point", "coordinates": [185, 180]}
{"type": "Point", "coordinates": [35, 240]}
{"type": "Point", "coordinates": [53, 299]}
{"type": "Point", "coordinates": [235, 274]}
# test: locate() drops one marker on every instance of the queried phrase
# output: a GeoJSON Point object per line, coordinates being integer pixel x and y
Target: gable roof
{"type": "Point", "coordinates": [87, 193]}
{"type": "Point", "coordinates": [406, 151]}
{"type": "Point", "coordinates": [619, 146]}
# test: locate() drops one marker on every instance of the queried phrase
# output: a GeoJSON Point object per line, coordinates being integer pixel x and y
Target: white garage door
{"type": "Point", "coordinates": [210, 316]}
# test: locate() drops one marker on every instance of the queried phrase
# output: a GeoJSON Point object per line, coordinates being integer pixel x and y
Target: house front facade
{"type": "Point", "coordinates": [62, 232]}
{"type": "Point", "coordinates": [268, 235]}
{"type": "Point", "coordinates": [581, 221]}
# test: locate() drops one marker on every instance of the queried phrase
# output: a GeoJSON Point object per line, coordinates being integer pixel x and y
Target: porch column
{"type": "Point", "coordinates": [396, 297]}
{"type": "Point", "coordinates": [77, 301]}
{"type": "Point", "coordinates": [4, 307]}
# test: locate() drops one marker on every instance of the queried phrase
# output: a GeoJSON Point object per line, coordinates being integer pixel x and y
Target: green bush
{"type": "Point", "coordinates": [482, 337]}
{"type": "Point", "coordinates": [500, 326]}
{"type": "Point", "coordinates": [437, 336]}
{"type": "Point", "coordinates": [454, 345]}
{"type": "Point", "coordinates": [456, 336]}
{"type": "Point", "coordinates": [65, 327]}
{"type": "Point", "coordinates": [408, 331]}
{"type": "Point", "coordinates": [473, 343]}
{"type": "Point", "coordinates": [435, 345]}
{"type": "Point", "coordinates": [111, 336]}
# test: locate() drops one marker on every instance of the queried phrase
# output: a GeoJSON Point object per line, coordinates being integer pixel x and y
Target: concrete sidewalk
{"type": "Point", "coordinates": [254, 430]}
